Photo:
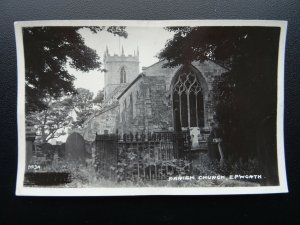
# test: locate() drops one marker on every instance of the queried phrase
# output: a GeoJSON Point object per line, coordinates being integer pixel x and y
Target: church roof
{"type": "Point", "coordinates": [115, 93]}
{"type": "Point", "coordinates": [152, 71]}
{"type": "Point", "coordinates": [129, 86]}
{"type": "Point", "coordinates": [111, 102]}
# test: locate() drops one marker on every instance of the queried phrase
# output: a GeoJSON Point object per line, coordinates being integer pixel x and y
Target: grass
{"type": "Point", "coordinates": [86, 176]}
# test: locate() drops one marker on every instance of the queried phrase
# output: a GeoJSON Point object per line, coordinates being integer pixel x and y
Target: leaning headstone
{"type": "Point", "coordinates": [75, 149]}
{"type": "Point", "coordinates": [213, 148]}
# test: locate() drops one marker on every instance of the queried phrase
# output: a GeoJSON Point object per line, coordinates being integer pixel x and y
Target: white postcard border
{"type": "Point", "coordinates": [128, 191]}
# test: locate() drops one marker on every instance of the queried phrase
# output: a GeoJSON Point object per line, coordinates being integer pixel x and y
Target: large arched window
{"type": "Point", "coordinates": [123, 75]}
{"type": "Point", "coordinates": [188, 102]}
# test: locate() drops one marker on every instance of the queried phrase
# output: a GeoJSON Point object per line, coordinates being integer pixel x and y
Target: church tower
{"type": "Point", "coordinates": [119, 70]}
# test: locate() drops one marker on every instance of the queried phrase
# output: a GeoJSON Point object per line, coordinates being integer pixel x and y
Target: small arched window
{"type": "Point", "coordinates": [124, 111]}
{"type": "Point", "coordinates": [131, 105]}
{"type": "Point", "coordinates": [123, 75]}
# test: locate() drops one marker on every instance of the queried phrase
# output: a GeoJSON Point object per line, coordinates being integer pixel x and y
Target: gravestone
{"type": "Point", "coordinates": [92, 151]}
{"type": "Point", "coordinates": [48, 151]}
{"type": "Point", "coordinates": [30, 137]}
{"type": "Point", "coordinates": [213, 147]}
{"type": "Point", "coordinates": [88, 148]}
{"type": "Point", "coordinates": [61, 151]}
{"type": "Point", "coordinates": [195, 134]}
{"type": "Point", "coordinates": [75, 149]}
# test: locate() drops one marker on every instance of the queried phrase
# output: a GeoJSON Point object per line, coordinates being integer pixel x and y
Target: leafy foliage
{"type": "Point", "coordinates": [127, 168]}
{"type": "Point", "coordinates": [58, 116]}
{"type": "Point", "coordinates": [51, 122]}
{"type": "Point", "coordinates": [48, 50]}
{"type": "Point", "coordinates": [99, 97]}
{"type": "Point", "coordinates": [82, 105]}
{"type": "Point", "coordinates": [205, 166]}
{"type": "Point", "coordinates": [246, 94]}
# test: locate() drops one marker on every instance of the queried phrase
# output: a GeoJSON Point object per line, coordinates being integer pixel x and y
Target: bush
{"type": "Point", "coordinates": [229, 167]}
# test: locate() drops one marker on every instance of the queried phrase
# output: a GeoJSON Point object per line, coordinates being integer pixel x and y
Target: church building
{"type": "Point", "coordinates": [155, 99]}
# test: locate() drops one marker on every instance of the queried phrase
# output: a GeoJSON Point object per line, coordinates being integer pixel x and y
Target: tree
{"type": "Point", "coordinates": [245, 95]}
{"type": "Point", "coordinates": [99, 97]}
{"type": "Point", "coordinates": [82, 103]}
{"type": "Point", "coordinates": [59, 115]}
{"type": "Point", "coordinates": [52, 122]}
{"type": "Point", "coordinates": [48, 50]}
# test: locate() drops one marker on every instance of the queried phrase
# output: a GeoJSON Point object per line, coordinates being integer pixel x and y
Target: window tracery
{"type": "Point", "coordinates": [188, 100]}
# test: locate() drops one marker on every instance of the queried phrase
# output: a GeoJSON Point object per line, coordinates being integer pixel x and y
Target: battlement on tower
{"type": "Point", "coordinates": [122, 57]}
{"type": "Point", "coordinates": [116, 57]}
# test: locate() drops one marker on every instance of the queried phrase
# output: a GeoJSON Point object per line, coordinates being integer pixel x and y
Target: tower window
{"type": "Point", "coordinates": [123, 75]}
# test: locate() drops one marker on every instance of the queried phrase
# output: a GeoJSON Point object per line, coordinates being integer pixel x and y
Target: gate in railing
{"type": "Point", "coordinates": [135, 157]}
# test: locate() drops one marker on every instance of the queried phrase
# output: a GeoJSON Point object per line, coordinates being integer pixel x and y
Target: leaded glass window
{"type": "Point", "coordinates": [188, 99]}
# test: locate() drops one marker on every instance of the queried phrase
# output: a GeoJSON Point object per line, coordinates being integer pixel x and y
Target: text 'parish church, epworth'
{"type": "Point", "coordinates": [157, 99]}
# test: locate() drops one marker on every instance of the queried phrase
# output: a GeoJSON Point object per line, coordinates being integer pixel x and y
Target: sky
{"type": "Point", "coordinates": [149, 40]}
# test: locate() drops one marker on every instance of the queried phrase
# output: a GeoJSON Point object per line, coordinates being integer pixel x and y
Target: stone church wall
{"type": "Point", "coordinates": [210, 71]}
{"type": "Point", "coordinates": [146, 104]}
{"type": "Point", "coordinates": [144, 107]}
{"type": "Point", "coordinates": [104, 121]}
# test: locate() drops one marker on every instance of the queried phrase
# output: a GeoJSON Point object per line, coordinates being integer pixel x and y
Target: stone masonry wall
{"type": "Point", "coordinates": [145, 108]}
{"type": "Point", "coordinates": [104, 121]}
{"type": "Point", "coordinates": [146, 105]}
{"type": "Point", "coordinates": [113, 65]}
{"type": "Point", "coordinates": [208, 70]}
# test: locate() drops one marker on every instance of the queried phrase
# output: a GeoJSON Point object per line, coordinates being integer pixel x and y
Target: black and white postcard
{"type": "Point", "coordinates": [109, 108]}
